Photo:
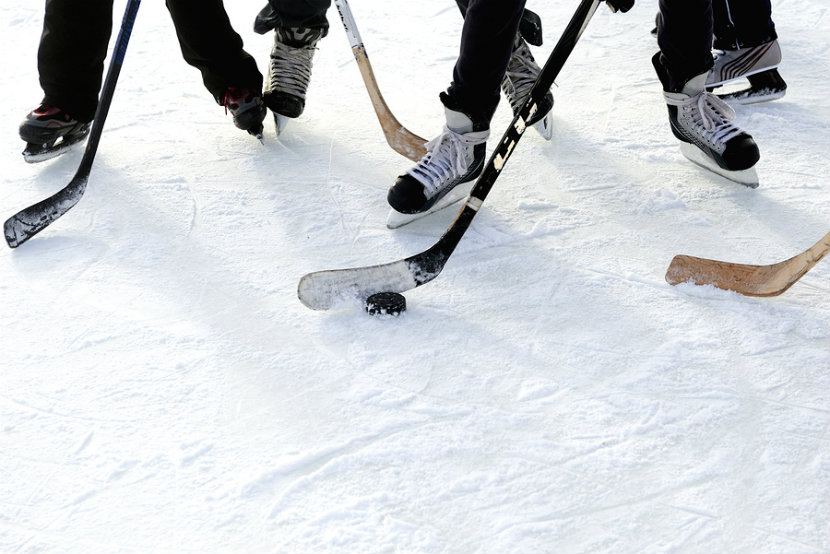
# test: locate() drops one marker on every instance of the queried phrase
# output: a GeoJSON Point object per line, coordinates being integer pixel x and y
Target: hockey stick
{"type": "Point", "coordinates": [399, 137]}
{"type": "Point", "coordinates": [28, 222]}
{"type": "Point", "coordinates": [323, 289]}
{"type": "Point", "coordinates": [750, 280]}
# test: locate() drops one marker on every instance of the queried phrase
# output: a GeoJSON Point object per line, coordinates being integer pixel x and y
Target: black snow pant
{"type": "Point", "coordinates": [490, 27]}
{"type": "Point", "coordinates": [301, 13]}
{"type": "Point", "coordinates": [742, 23]}
{"type": "Point", "coordinates": [76, 35]}
{"type": "Point", "coordinates": [687, 30]}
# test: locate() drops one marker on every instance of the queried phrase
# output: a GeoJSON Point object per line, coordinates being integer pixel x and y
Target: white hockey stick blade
{"type": "Point", "coordinates": [545, 126]}
{"type": "Point", "coordinates": [746, 177]}
{"type": "Point", "coordinates": [323, 290]}
{"type": "Point", "coordinates": [396, 219]}
{"type": "Point", "coordinates": [749, 280]}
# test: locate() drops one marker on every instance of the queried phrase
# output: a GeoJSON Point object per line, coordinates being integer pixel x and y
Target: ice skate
{"type": "Point", "coordinates": [289, 72]}
{"type": "Point", "coordinates": [453, 159]}
{"type": "Point", "coordinates": [247, 108]}
{"type": "Point", "coordinates": [522, 71]}
{"type": "Point", "coordinates": [49, 132]}
{"type": "Point", "coordinates": [709, 138]}
{"type": "Point", "coordinates": [756, 64]}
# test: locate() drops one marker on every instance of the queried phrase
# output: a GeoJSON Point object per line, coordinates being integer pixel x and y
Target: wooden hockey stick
{"type": "Point", "coordinates": [750, 280]}
{"type": "Point", "coordinates": [399, 137]}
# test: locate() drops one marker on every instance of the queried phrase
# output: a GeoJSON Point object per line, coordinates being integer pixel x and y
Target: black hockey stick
{"type": "Point", "coordinates": [323, 289]}
{"type": "Point", "coordinates": [28, 222]}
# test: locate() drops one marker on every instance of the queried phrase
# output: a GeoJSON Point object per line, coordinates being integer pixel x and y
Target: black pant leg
{"type": "Point", "coordinates": [71, 54]}
{"type": "Point", "coordinates": [685, 33]}
{"type": "Point", "coordinates": [302, 13]}
{"type": "Point", "coordinates": [490, 27]}
{"type": "Point", "coordinates": [210, 44]}
{"type": "Point", "coordinates": [742, 23]}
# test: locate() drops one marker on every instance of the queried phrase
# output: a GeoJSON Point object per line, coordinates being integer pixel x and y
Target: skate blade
{"type": "Point", "coordinates": [746, 177]}
{"type": "Point", "coordinates": [765, 85]}
{"type": "Point", "coordinates": [257, 134]}
{"type": "Point", "coordinates": [749, 96]}
{"type": "Point", "coordinates": [545, 126]}
{"type": "Point", "coordinates": [38, 153]}
{"type": "Point", "coordinates": [769, 69]}
{"type": "Point", "coordinates": [396, 219]}
{"type": "Point", "coordinates": [280, 121]}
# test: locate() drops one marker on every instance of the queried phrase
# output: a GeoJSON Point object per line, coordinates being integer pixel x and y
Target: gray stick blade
{"type": "Point", "coordinates": [323, 290]}
{"type": "Point", "coordinates": [30, 221]}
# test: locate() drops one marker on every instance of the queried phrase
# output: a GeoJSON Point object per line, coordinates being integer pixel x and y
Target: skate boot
{"type": "Point", "coordinates": [289, 71]}
{"type": "Point", "coordinates": [703, 124]}
{"type": "Point", "coordinates": [49, 131]}
{"type": "Point", "coordinates": [757, 64]}
{"type": "Point", "coordinates": [247, 109]}
{"type": "Point", "coordinates": [522, 71]}
{"type": "Point", "coordinates": [453, 159]}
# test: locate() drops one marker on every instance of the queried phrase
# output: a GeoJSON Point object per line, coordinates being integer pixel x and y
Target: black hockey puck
{"type": "Point", "coordinates": [386, 303]}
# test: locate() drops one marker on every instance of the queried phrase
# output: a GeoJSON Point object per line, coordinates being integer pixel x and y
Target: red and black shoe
{"type": "Point", "coordinates": [48, 131]}
{"type": "Point", "coordinates": [247, 108]}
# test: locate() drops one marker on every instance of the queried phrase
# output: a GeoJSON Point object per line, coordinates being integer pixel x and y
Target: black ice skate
{"type": "Point", "coordinates": [757, 64]}
{"type": "Point", "coordinates": [703, 124]}
{"type": "Point", "coordinates": [289, 71]}
{"type": "Point", "coordinates": [247, 108]}
{"type": "Point", "coordinates": [444, 175]}
{"type": "Point", "coordinates": [49, 132]}
{"type": "Point", "coordinates": [522, 71]}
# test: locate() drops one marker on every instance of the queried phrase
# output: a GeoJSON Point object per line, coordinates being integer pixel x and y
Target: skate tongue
{"type": "Point", "coordinates": [458, 122]}
{"type": "Point", "coordinates": [695, 85]}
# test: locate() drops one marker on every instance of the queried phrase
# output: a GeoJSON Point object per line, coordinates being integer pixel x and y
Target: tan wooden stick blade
{"type": "Point", "coordinates": [399, 137]}
{"type": "Point", "coordinates": [750, 280]}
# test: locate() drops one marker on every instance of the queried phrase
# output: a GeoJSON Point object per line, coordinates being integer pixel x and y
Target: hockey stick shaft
{"type": "Point", "coordinates": [747, 279]}
{"type": "Point", "coordinates": [399, 137]}
{"type": "Point", "coordinates": [322, 290]}
{"type": "Point", "coordinates": [28, 222]}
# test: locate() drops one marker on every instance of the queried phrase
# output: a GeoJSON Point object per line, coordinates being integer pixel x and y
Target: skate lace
{"type": "Point", "coordinates": [446, 159]}
{"type": "Point", "coordinates": [520, 76]}
{"type": "Point", "coordinates": [290, 69]}
{"type": "Point", "coordinates": [711, 116]}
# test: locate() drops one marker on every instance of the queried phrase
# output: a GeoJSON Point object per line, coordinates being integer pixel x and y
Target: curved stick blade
{"type": "Point", "coordinates": [30, 221]}
{"type": "Point", "coordinates": [747, 279]}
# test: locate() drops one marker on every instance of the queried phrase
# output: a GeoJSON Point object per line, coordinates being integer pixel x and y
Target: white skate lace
{"type": "Point", "coordinates": [446, 159]}
{"type": "Point", "coordinates": [711, 116]}
{"type": "Point", "coordinates": [520, 76]}
{"type": "Point", "coordinates": [290, 69]}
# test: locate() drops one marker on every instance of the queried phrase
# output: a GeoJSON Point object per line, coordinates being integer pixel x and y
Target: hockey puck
{"type": "Point", "coordinates": [386, 303]}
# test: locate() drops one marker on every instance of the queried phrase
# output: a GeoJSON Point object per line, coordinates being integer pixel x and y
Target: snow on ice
{"type": "Point", "coordinates": [162, 389]}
